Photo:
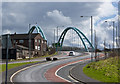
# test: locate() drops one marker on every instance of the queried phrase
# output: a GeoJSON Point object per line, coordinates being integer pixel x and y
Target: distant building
{"type": "Point", "coordinates": [21, 43]}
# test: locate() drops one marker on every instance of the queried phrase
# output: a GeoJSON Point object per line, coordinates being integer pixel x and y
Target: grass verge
{"type": "Point", "coordinates": [105, 70]}
{"type": "Point", "coordinates": [10, 66]}
{"type": "Point", "coordinates": [34, 57]}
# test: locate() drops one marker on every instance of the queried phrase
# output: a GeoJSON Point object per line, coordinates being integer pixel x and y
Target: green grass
{"type": "Point", "coordinates": [10, 66]}
{"type": "Point", "coordinates": [104, 70]}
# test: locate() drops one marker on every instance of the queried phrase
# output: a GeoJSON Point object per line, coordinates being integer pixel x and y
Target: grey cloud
{"type": "Point", "coordinates": [17, 15]}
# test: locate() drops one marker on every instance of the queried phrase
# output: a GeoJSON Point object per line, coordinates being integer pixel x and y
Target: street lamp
{"type": "Point", "coordinates": [57, 36]}
{"type": "Point", "coordinates": [91, 27]}
{"type": "Point", "coordinates": [113, 32]}
{"type": "Point", "coordinates": [91, 32]}
{"type": "Point", "coordinates": [116, 37]}
{"type": "Point", "coordinates": [58, 31]}
{"type": "Point", "coordinates": [29, 43]}
{"type": "Point", "coordinates": [7, 54]}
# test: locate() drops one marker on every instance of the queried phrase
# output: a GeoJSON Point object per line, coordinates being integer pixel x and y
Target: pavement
{"type": "Point", "coordinates": [76, 72]}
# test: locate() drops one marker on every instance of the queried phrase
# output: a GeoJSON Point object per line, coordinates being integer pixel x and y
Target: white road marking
{"type": "Point", "coordinates": [11, 78]}
{"type": "Point", "coordinates": [63, 67]}
{"type": "Point", "coordinates": [72, 79]}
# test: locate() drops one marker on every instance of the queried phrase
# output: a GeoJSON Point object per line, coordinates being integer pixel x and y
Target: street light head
{"type": "Point", "coordinates": [81, 16]}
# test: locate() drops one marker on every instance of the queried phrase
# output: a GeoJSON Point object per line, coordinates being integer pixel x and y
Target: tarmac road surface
{"type": "Point", "coordinates": [37, 72]}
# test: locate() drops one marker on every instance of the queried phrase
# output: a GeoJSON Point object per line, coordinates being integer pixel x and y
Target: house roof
{"type": "Point", "coordinates": [23, 36]}
{"type": "Point", "coordinates": [23, 47]}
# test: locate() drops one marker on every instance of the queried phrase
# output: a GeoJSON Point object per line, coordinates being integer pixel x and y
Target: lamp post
{"type": "Point", "coordinates": [7, 47]}
{"type": "Point", "coordinates": [91, 17]}
{"type": "Point", "coordinates": [113, 33]}
{"type": "Point", "coordinates": [91, 27]}
{"type": "Point", "coordinates": [119, 41]}
{"type": "Point", "coordinates": [95, 44]}
{"type": "Point", "coordinates": [116, 37]}
{"type": "Point", "coordinates": [58, 31]}
{"type": "Point", "coordinates": [57, 36]}
{"type": "Point", "coordinates": [54, 38]}
{"type": "Point", "coordinates": [29, 43]}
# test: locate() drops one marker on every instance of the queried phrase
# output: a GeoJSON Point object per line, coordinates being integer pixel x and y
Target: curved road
{"type": "Point", "coordinates": [37, 72]}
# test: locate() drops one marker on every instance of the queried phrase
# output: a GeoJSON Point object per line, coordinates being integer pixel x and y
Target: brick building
{"type": "Point", "coordinates": [21, 43]}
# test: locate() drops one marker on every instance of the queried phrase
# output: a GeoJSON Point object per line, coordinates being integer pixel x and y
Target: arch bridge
{"type": "Point", "coordinates": [39, 30]}
{"type": "Point", "coordinates": [79, 33]}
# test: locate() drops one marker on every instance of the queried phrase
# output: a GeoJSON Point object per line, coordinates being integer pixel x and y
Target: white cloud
{"type": "Point", "coordinates": [8, 31]}
{"type": "Point", "coordinates": [106, 9]}
{"type": "Point", "coordinates": [58, 17]}
{"type": "Point", "coordinates": [51, 15]}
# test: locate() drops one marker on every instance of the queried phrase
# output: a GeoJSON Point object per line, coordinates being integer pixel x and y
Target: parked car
{"type": "Point", "coordinates": [71, 53]}
{"type": "Point", "coordinates": [48, 59]}
{"type": "Point", "coordinates": [54, 59]}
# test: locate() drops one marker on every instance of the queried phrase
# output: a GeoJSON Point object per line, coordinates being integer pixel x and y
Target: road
{"type": "Point", "coordinates": [61, 55]}
{"type": "Point", "coordinates": [43, 72]}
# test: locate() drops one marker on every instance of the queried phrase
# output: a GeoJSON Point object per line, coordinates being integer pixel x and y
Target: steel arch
{"type": "Point", "coordinates": [61, 39]}
{"type": "Point", "coordinates": [39, 30]}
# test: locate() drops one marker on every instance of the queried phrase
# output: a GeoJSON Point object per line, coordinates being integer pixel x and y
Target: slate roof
{"type": "Point", "coordinates": [23, 36]}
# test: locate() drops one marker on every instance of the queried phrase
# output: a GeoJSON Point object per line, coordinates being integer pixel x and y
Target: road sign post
{"type": "Point", "coordinates": [7, 44]}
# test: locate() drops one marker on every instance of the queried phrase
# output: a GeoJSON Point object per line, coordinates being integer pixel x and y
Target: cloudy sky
{"type": "Point", "coordinates": [17, 15]}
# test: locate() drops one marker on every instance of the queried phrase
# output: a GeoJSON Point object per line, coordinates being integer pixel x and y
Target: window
{"type": "Point", "coordinates": [36, 47]}
{"type": "Point", "coordinates": [35, 40]}
{"type": "Point", "coordinates": [45, 42]}
{"type": "Point", "coordinates": [21, 41]}
{"type": "Point", "coordinates": [14, 41]}
{"type": "Point", "coordinates": [39, 40]}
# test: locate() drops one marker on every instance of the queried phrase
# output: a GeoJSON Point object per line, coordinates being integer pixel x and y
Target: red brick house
{"type": "Point", "coordinates": [21, 42]}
